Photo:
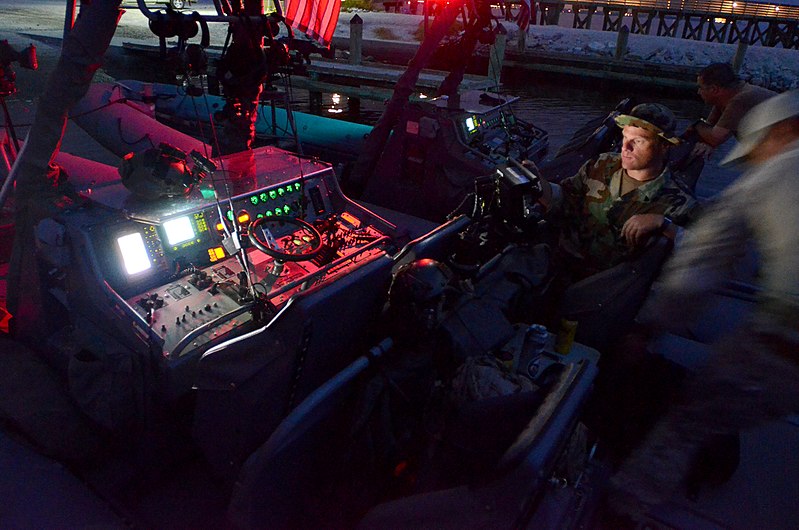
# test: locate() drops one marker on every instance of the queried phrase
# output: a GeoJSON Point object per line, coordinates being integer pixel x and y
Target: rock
{"type": "Point", "coordinates": [596, 47]}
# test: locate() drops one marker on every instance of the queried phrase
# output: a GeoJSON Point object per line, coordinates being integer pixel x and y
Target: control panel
{"type": "Point", "coordinates": [192, 269]}
{"type": "Point", "coordinates": [443, 145]}
{"type": "Point", "coordinates": [486, 122]}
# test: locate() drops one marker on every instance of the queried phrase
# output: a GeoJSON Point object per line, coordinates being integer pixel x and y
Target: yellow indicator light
{"type": "Point", "coordinates": [243, 218]}
{"type": "Point", "coordinates": [220, 227]}
{"type": "Point", "coordinates": [216, 253]}
{"type": "Point", "coordinates": [351, 219]}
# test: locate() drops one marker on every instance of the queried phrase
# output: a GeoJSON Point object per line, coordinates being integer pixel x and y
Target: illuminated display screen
{"type": "Point", "coordinates": [471, 126]}
{"type": "Point", "coordinates": [178, 230]}
{"type": "Point", "coordinates": [134, 253]}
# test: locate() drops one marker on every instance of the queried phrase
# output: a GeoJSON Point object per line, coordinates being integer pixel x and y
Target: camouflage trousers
{"type": "Point", "coordinates": [751, 378]}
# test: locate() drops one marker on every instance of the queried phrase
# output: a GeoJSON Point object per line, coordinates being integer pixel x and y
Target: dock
{"type": "Point", "coordinates": [375, 81]}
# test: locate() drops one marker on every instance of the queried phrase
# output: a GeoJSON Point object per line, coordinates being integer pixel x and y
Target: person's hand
{"type": "Point", "coordinates": [702, 149]}
{"type": "Point", "coordinates": [639, 227]}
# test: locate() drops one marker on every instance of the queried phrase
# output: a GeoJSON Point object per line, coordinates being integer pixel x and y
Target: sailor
{"type": "Point", "coordinates": [752, 375]}
{"type": "Point", "coordinates": [615, 203]}
{"type": "Point", "coordinates": [731, 98]}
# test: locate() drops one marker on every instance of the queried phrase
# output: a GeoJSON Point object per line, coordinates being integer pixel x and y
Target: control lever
{"type": "Point", "coordinates": [272, 276]}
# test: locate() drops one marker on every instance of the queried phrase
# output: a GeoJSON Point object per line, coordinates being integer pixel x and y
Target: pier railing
{"type": "Point", "coordinates": [726, 21]}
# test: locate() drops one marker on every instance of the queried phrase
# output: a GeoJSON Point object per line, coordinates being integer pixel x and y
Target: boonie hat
{"type": "Point", "coordinates": [757, 122]}
{"type": "Point", "coordinates": [652, 117]}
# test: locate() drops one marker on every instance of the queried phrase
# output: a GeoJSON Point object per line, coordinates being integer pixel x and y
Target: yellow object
{"type": "Point", "coordinates": [565, 337]}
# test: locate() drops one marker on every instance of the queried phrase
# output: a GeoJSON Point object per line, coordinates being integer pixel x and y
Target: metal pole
{"type": "Point", "coordinates": [9, 125]}
{"type": "Point", "coordinates": [69, 17]}
{"type": "Point", "coordinates": [7, 184]}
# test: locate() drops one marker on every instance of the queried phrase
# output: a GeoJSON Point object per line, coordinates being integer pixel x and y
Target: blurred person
{"type": "Point", "coordinates": [752, 375]}
{"type": "Point", "coordinates": [731, 98]}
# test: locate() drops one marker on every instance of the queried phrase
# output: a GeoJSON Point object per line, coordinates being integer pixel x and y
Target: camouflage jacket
{"type": "Point", "coordinates": [593, 212]}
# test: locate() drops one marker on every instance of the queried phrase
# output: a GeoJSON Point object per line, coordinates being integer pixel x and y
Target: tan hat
{"type": "Point", "coordinates": [652, 117]}
{"type": "Point", "coordinates": [757, 122]}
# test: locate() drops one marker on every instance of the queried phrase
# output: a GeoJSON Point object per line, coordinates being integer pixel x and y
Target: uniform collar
{"type": "Point", "coordinates": [648, 189]}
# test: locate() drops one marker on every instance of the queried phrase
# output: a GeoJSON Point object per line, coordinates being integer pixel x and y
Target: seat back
{"type": "Point", "coordinates": [248, 385]}
{"type": "Point", "coordinates": [280, 484]}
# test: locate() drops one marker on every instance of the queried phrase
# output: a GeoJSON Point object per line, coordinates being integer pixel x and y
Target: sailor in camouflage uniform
{"type": "Point", "coordinates": [615, 203]}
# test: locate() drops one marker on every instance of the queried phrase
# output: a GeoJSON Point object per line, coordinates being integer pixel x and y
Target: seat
{"type": "Point", "coordinates": [605, 304]}
{"type": "Point", "coordinates": [302, 477]}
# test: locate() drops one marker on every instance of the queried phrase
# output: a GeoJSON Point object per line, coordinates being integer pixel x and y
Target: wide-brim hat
{"type": "Point", "coordinates": [652, 117]}
{"type": "Point", "coordinates": [756, 123]}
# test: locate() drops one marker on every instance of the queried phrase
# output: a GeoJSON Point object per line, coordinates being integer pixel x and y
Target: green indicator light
{"type": "Point", "coordinates": [296, 186]}
{"type": "Point", "coordinates": [278, 211]}
{"type": "Point", "coordinates": [260, 215]}
{"type": "Point", "coordinates": [286, 209]}
{"type": "Point", "coordinates": [280, 191]}
{"type": "Point", "coordinates": [272, 194]}
{"type": "Point", "coordinates": [254, 199]}
{"type": "Point", "coordinates": [268, 214]}
{"type": "Point", "coordinates": [230, 214]}
{"type": "Point", "coordinates": [264, 197]}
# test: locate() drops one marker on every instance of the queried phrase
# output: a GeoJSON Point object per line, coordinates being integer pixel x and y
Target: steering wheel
{"type": "Point", "coordinates": [304, 244]}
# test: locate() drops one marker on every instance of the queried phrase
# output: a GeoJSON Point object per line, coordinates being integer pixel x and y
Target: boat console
{"type": "Point", "coordinates": [442, 145]}
{"type": "Point", "coordinates": [184, 271]}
